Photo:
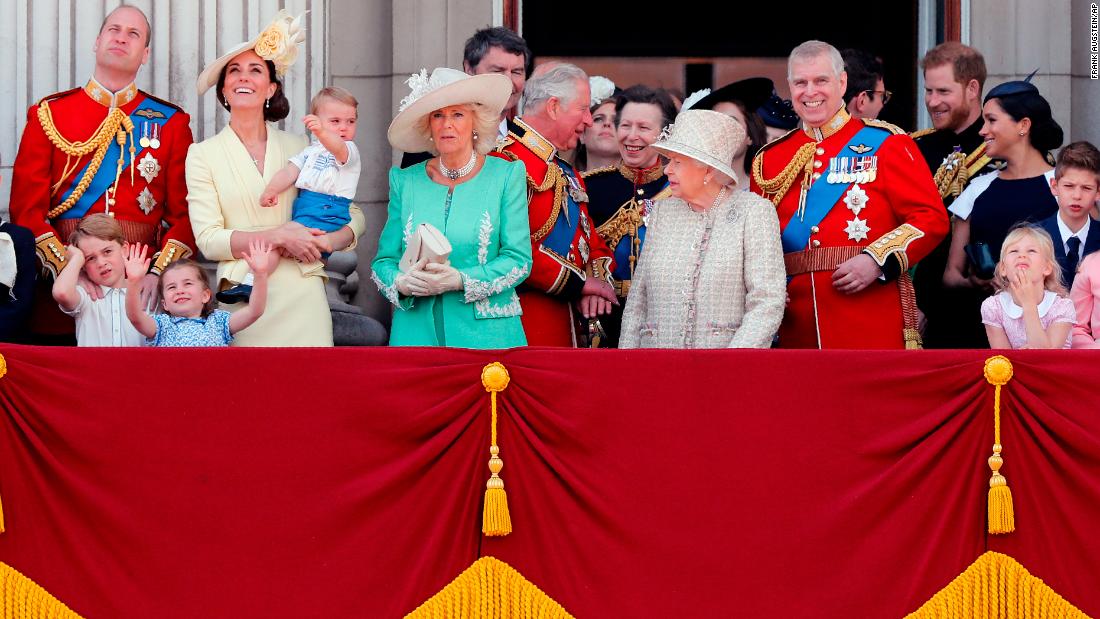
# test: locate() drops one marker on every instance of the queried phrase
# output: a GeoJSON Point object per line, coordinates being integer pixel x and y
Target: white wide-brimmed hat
{"type": "Point", "coordinates": [708, 137]}
{"type": "Point", "coordinates": [445, 87]}
{"type": "Point", "coordinates": [278, 43]}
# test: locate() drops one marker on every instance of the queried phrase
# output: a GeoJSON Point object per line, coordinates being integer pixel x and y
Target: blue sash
{"type": "Point", "coordinates": [561, 236]}
{"type": "Point", "coordinates": [823, 196]}
{"type": "Point", "coordinates": [108, 167]}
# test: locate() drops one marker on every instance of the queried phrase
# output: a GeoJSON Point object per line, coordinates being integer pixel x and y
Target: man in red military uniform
{"type": "Point", "coordinates": [857, 207]}
{"type": "Point", "coordinates": [572, 265]}
{"type": "Point", "coordinates": [106, 147]}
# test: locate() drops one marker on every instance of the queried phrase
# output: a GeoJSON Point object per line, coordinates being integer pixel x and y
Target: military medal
{"type": "Point", "coordinates": [857, 229]}
{"type": "Point", "coordinates": [831, 178]}
{"type": "Point", "coordinates": [146, 201]}
{"type": "Point", "coordinates": [144, 141]}
{"type": "Point", "coordinates": [149, 167]}
{"type": "Point", "coordinates": [575, 190]}
{"type": "Point", "coordinates": [154, 142]}
{"type": "Point", "coordinates": [856, 199]}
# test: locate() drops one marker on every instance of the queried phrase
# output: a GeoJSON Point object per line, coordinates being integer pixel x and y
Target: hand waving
{"type": "Point", "coordinates": [137, 263]}
{"type": "Point", "coordinates": [261, 257]}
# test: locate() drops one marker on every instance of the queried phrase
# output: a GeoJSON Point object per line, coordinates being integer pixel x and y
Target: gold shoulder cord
{"type": "Point", "coordinates": [775, 188]}
{"type": "Point", "coordinates": [116, 125]}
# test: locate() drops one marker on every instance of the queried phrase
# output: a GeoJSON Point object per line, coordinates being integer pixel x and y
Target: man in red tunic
{"type": "Point", "coordinates": [857, 207]}
{"type": "Point", "coordinates": [572, 265]}
{"type": "Point", "coordinates": [104, 148]}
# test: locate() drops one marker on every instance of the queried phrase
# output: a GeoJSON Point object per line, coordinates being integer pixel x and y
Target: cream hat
{"type": "Point", "coordinates": [278, 43]}
{"type": "Point", "coordinates": [708, 137]}
{"type": "Point", "coordinates": [443, 88]}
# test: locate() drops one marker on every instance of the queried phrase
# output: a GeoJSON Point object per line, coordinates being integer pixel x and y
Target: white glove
{"type": "Point", "coordinates": [433, 279]}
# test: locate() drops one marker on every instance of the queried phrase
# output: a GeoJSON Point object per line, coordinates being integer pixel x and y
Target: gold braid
{"type": "Point", "coordinates": [100, 141]}
{"type": "Point", "coordinates": [775, 188]}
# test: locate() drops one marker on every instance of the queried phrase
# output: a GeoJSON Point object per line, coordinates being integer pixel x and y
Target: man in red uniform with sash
{"type": "Point", "coordinates": [572, 264]}
{"type": "Point", "coordinates": [104, 148]}
{"type": "Point", "coordinates": [858, 208]}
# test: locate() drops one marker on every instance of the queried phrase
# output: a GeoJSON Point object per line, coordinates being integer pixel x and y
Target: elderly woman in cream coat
{"type": "Point", "coordinates": [711, 274]}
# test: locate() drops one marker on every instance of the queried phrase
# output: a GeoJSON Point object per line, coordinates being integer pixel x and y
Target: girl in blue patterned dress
{"type": "Point", "coordinates": [189, 318]}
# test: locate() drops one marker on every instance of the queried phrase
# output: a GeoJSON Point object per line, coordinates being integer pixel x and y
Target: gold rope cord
{"type": "Point", "coordinates": [1000, 516]}
{"type": "Point", "coordinates": [996, 585]}
{"type": "Point", "coordinates": [490, 589]}
{"type": "Point", "coordinates": [495, 519]}
{"type": "Point", "coordinates": [775, 188]}
{"type": "Point", "coordinates": [115, 126]}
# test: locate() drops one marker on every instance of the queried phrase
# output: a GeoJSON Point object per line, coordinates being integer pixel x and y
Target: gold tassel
{"type": "Point", "coordinates": [496, 521]}
{"type": "Point", "coordinates": [1001, 519]}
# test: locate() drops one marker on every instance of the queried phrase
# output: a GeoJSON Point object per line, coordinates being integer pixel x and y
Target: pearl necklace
{"type": "Point", "coordinates": [454, 175]}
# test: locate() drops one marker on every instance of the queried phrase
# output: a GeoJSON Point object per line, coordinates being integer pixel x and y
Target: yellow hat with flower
{"type": "Point", "coordinates": [278, 43]}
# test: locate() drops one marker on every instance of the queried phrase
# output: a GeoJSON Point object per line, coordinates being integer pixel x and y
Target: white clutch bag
{"type": "Point", "coordinates": [427, 243]}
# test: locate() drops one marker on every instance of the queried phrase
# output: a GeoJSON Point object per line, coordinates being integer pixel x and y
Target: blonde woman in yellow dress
{"type": "Point", "coordinates": [226, 175]}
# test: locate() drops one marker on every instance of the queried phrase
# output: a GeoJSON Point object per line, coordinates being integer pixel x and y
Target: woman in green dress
{"type": "Point", "coordinates": [479, 203]}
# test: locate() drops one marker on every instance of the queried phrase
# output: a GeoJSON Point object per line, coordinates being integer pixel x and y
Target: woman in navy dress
{"type": "Point", "coordinates": [1020, 130]}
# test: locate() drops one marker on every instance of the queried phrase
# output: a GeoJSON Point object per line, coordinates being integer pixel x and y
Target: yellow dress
{"type": "Point", "coordinates": [223, 195]}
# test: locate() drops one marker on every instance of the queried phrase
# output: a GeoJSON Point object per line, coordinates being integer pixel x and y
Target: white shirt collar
{"type": "Point", "coordinates": [1015, 311]}
{"type": "Point", "coordinates": [1082, 234]}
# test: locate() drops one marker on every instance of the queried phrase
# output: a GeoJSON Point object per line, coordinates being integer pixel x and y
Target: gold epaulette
{"type": "Point", "coordinates": [603, 170]}
{"type": "Point", "coordinates": [922, 132]}
{"type": "Point", "coordinates": [662, 194]}
{"type": "Point", "coordinates": [882, 124]}
{"type": "Point", "coordinates": [58, 95]}
{"type": "Point", "coordinates": [894, 242]}
{"type": "Point", "coordinates": [505, 142]}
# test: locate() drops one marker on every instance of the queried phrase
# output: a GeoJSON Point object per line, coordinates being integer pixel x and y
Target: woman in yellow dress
{"type": "Point", "coordinates": [227, 173]}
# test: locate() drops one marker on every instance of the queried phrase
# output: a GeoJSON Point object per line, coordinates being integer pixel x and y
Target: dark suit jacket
{"type": "Point", "coordinates": [1092, 243]}
{"type": "Point", "coordinates": [15, 303]}
{"type": "Point", "coordinates": [411, 159]}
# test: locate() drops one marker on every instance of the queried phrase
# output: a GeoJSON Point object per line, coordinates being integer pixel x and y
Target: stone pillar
{"type": "Point", "coordinates": [1019, 36]}
{"type": "Point", "coordinates": [1084, 89]}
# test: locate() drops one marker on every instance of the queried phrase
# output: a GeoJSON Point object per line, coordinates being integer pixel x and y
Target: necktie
{"type": "Point", "coordinates": [1072, 257]}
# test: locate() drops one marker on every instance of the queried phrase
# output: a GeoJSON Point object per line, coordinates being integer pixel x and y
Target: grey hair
{"type": "Point", "coordinates": [814, 49]}
{"type": "Point", "coordinates": [560, 81]}
{"type": "Point", "coordinates": [486, 124]}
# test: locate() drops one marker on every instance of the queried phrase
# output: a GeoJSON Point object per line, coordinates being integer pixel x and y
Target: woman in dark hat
{"type": "Point", "coordinates": [1020, 130]}
{"type": "Point", "coordinates": [740, 100]}
{"type": "Point", "coordinates": [778, 116]}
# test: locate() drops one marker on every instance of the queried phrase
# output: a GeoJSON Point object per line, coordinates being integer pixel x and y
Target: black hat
{"type": "Point", "coordinates": [1018, 87]}
{"type": "Point", "coordinates": [778, 113]}
{"type": "Point", "coordinates": [751, 92]}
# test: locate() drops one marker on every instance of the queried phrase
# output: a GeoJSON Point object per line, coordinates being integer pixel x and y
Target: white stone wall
{"type": "Point", "coordinates": [51, 50]}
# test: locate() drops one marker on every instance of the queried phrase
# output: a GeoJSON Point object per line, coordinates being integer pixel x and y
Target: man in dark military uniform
{"type": "Point", "coordinates": [104, 148]}
{"type": "Point", "coordinates": [954, 75]}
{"type": "Point", "coordinates": [621, 197]}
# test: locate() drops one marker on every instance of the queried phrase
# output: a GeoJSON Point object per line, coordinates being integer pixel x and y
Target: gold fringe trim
{"type": "Point", "coordinates": [22, 598]}
{"type": "Point", "coordinates": [996, 585]}
{"type": "Point", "coordinates": [3, 372]}
{"type": "Point", "coordinates": [998, 371]}
{"type": "Point", "coordinates": [490, 589]}
{"type": "Point", "coordinates": [495, 519]}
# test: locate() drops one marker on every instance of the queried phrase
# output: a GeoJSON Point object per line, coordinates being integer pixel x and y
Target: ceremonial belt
{"type": "Point", "coordinates": [564, 230]}
{"type": "Point", "coordinates": [149, 110]}
{"type": "Point", "coordinates": [819, 259]}
{"type": "Point", "coordinates": [822, 197]}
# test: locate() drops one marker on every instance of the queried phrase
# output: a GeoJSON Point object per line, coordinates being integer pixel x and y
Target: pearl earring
{"type": "Point", "coordinates": [475, 135]}
{"type": "Point", "coordinates": [267, 104]}
{"type": "Point", "coordinates": [704, 180]}
{"type": "Point", "coordinates": [1021, 134]}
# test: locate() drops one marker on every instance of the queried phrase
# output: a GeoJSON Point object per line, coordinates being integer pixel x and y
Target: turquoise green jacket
{"type": "Point", "coordinates": [486, 223]}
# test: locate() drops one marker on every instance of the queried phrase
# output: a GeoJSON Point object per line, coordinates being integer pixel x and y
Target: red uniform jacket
{"type": "Point", "coordinates": [897, 221]}
{"type": "Point", "coordinates": [564, 245]}
{"type": "Point", "coordinates": [150, 210]}
{"type": "Point", "coordinates": [157, 216]}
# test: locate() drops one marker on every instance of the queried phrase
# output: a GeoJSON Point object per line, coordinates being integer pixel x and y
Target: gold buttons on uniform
{"type": "Point", "coordinates": [641, 192]}
{"type": "Point", "coordinates": [820, 151]}
{"type": "Point", "coordinates": [817, 164]}
{"type": "Point", "coordinates": [815, 229]}
{"type": "Point", "coordinates": [816, 175]}
{"type": "Point", "coordinates": [815, 243]}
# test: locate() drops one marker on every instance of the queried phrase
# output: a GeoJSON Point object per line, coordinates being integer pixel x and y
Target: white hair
{"type": "Point", "coordinates": [560, 81]}
{"type": "Point", "coordinates": [815, 49]}
{"type": "Point", "coordinates": [486, 125]}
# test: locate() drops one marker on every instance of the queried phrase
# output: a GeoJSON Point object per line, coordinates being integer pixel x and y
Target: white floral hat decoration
{"type": "Point", "coordinates": [602, 89]}
{"type": "Point", "coordinates": [708, 137]}
{"type": "Point", "coordinates": [443, 88]}
{"type": "Point", "coordinates": [278, 43]}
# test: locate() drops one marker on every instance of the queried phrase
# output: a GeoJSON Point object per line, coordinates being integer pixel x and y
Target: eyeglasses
{"type": "Point", "coordinates": [885, 94]}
